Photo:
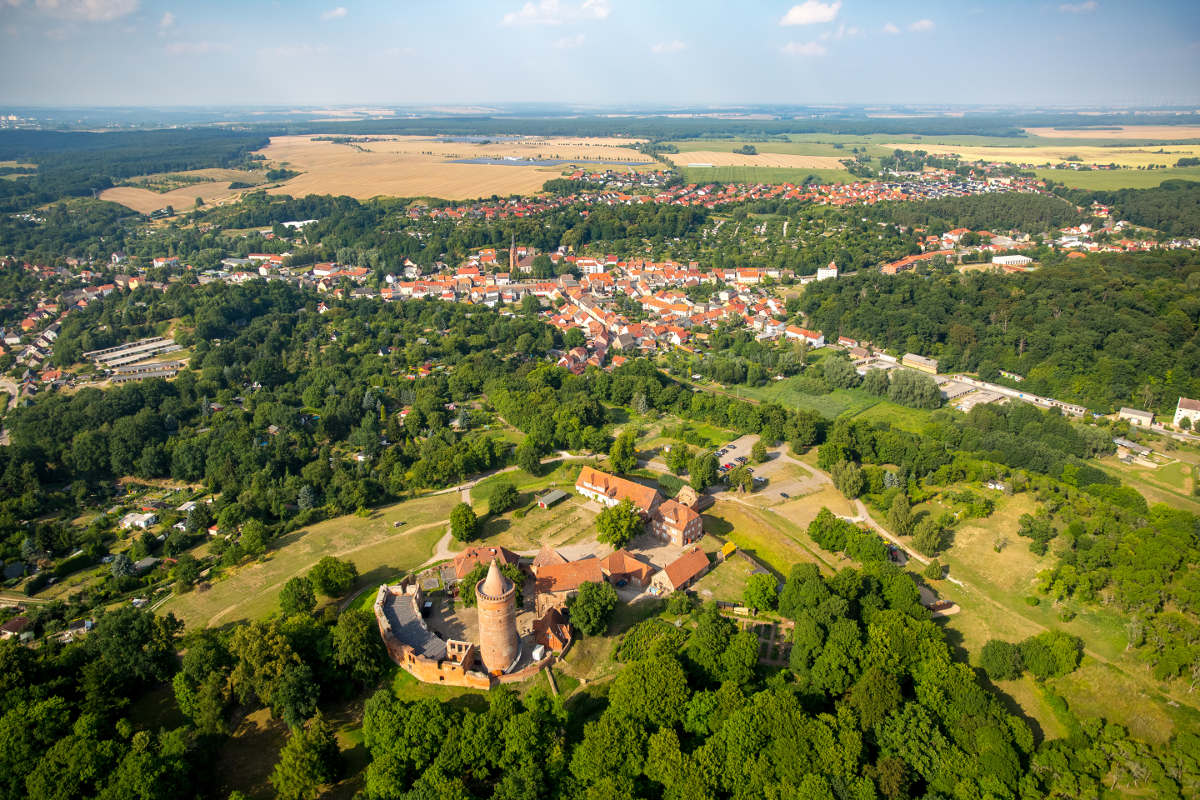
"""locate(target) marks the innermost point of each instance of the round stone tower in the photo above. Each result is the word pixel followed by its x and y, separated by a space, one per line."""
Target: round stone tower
pixel 496 600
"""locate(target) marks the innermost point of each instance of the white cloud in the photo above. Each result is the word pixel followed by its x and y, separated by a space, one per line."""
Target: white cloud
pixel 553 12
pixel 841 33
pixel 334 13
pixel 167 21
pixel 196 48
pixel 890 28
pixel 665 48
pixel 921 25
pixel 569 42
pixel 811 12
pixel 89 10
pixel 807 49
pixel 1079 8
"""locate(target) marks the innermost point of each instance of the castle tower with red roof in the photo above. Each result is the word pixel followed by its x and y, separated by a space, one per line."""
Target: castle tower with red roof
pixel 496 601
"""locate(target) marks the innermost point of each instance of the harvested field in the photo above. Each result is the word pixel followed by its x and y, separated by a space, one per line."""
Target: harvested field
pixel 1163 133
pixel 1123 156
pixel 787 160
pixel 416 166
pixel 148 193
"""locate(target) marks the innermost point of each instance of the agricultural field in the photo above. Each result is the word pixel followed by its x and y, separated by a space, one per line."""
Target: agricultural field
pixel 149 193
pixel 1160 133
pixel 415 166
pixel 1125 156
pixel 718 158
pixel 1113 179
pixel 763 175
pixel 378 550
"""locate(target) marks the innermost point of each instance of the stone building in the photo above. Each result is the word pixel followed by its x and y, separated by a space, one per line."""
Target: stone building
pixel 496 602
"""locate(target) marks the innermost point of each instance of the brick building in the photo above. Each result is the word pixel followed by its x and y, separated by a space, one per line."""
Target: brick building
pixel 496 602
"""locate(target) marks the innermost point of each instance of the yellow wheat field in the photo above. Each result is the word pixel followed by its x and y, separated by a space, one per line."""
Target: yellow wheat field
pixel 787 160
pixel 416 166
pixel 1122 156
pixel 1159 133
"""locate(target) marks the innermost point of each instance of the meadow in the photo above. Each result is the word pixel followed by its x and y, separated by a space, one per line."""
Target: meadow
pixel 180 190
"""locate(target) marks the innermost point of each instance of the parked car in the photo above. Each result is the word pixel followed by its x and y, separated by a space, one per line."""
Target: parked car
pixel 784 495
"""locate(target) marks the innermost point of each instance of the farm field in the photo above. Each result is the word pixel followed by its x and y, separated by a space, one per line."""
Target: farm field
pixel 378 550
pixel 1165 133
pixel 1127 156
pixel 764 158
pixel 763 175
pixel 1112 179
pixel 415 166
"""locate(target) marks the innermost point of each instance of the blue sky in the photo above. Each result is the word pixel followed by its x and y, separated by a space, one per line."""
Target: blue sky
pixel 603 52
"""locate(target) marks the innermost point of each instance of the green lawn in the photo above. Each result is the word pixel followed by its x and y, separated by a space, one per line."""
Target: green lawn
pixel 834 404
pixel 379 551
pixel 725 581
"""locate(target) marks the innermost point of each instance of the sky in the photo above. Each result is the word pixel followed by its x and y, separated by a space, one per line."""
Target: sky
pixel 598 52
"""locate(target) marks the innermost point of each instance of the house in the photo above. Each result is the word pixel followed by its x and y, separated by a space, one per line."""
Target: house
pixel 555 583
pixel 551 630
pixel 1135 416
pixel 550 498
pixel 681 572
pixel 1011 261
pixel 622 568
pixel 814 338
pixel 914 361
pixel 14 627
pixel 609 490
pixel 1187 409
pixel 468 559
pixel 676 523
pixel 824 273
pixel 692 499
pixel 140 521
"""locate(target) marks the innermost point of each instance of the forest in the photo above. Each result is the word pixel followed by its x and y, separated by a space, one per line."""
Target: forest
pixel 1105 331
pixel 1173 207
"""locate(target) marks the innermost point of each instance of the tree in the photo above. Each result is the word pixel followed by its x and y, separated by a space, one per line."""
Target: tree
pixel 848 478
pixel 297 596
pixel 333 577
pixel 1001 660
pixel 934 570
pixel 760 592
pixel 592 606
pixel 254 538
pixel 187 569
pixel 740 478
pixel 651 690
pixel 623 455
pixel 916 389
pixel 929 537
pixel 307 762
pixel 463 522
pixel 900 516
pixel 740 657
pixel 504 495
pixel 121 566
pixel 616 525
pixel 876 382
pixel 357 647
pixel 839 372
pixel 758 453
pixel 703 472
pixel 678 458
pixel 528 457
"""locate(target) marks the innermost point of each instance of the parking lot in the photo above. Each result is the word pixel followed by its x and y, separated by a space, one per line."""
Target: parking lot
pixel 735 453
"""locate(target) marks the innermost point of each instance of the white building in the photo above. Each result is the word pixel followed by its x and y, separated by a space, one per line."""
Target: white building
pixel 1136 416
pixel 1011 261
pixel 1190 410
pixel 827 272
pixel 140 521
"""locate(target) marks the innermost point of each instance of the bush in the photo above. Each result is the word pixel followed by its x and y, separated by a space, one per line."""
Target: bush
pixel 650 638
pixel 333 577
pixel 760 592
pixel 1001 660
pixel 463 522
pixel 503 496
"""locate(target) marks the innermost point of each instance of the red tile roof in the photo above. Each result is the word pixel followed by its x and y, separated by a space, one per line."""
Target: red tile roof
pixel 686 567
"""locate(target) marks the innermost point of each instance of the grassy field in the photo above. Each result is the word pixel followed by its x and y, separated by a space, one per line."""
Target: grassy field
pixel 1170 483
pixel 376 548
pixel 766 157
pixel 772 536
pixel 762 175
pixel 834 404
pixel 1111 179
pixel 726 581
pixel 1111 681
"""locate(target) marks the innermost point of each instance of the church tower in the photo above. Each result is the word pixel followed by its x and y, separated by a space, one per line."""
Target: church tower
pixel 496 600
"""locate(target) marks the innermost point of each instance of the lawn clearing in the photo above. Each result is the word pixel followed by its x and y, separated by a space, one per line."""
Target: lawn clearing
pixel 726 581
pixel 378 550
pixel 1168 484
pixel 555 526
pixel 768 537
pixel 834 404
